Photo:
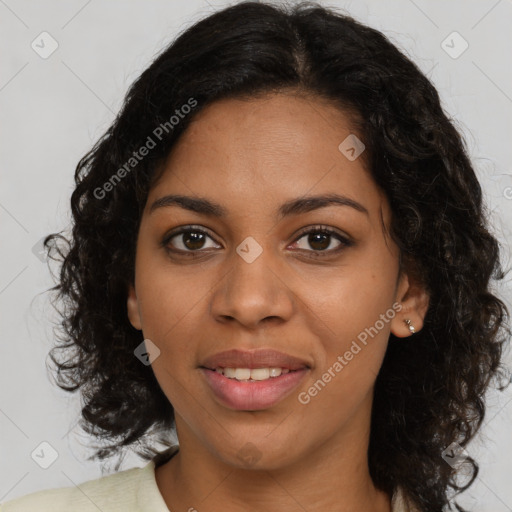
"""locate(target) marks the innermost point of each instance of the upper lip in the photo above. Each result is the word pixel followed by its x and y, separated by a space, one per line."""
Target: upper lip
pixel 261 358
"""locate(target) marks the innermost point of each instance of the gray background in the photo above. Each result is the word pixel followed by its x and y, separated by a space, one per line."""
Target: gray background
pixel 54 109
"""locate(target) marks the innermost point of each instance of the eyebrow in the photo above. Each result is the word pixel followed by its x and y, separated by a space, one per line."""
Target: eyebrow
pixel 209 208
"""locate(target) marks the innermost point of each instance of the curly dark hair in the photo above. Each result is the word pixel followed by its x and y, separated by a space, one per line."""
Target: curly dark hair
pixel 430 391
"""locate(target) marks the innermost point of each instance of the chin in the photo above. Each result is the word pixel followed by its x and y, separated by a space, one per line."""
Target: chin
pixel 263 456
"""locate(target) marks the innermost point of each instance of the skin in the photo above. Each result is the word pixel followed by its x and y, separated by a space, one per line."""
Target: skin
pixel 250 157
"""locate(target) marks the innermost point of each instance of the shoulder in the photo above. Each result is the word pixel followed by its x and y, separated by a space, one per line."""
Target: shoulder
pixel 116 492
pixel 400 502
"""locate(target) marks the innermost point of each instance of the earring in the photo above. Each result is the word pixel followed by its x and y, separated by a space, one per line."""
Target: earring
pixel 409 324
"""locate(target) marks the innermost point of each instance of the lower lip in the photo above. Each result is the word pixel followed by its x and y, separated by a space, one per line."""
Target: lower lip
pixel 255 395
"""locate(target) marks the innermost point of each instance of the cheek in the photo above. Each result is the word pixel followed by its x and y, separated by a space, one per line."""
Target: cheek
pixel 352 319
pixel 170 321
pixel 168 297
pixel 351 354
pixel 176 366
pixel 350 303
pixel 169 312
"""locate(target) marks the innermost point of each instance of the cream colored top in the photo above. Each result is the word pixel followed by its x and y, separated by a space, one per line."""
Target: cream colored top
pixel 131 490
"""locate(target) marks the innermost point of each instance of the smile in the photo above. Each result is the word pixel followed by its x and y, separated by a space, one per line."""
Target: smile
pixel 251 375
pixel 252 394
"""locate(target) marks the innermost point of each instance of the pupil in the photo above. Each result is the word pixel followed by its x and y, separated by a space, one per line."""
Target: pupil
pixel 197 240
pixel 316 238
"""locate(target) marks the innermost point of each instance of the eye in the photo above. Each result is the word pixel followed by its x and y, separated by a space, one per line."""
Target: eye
pixel 320 238
pixel 192 239
pixel 187 239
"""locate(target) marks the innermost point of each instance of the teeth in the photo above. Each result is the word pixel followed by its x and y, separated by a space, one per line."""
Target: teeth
pixel 242 374
pixel 275 372
pixel 229 372
pixel 260 373
pixel 245 374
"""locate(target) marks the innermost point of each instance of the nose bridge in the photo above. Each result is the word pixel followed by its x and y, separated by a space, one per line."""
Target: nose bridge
pixel 252 290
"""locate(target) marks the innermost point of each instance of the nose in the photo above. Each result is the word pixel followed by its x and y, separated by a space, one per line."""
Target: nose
pixel 253 293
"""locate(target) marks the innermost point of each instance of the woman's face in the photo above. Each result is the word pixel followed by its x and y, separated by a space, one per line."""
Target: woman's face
pixel 250 276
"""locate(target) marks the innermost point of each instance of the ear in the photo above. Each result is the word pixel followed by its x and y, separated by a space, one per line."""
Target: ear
pixel 413 297
pixel 132 306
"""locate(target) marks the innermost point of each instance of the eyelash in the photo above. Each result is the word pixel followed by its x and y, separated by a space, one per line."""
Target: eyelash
pixel 319 229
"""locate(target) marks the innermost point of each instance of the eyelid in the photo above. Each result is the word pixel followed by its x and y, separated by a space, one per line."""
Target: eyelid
pixel 323 228
pixel 344 240
pixel 184 229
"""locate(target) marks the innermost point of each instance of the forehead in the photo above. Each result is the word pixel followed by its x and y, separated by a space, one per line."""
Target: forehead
pixel 263 149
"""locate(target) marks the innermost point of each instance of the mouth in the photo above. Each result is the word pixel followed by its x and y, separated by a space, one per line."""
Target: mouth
pixel 252 374
pixel 253 380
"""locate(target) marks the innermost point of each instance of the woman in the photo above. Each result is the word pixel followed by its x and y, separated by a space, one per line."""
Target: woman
pixel 280 251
